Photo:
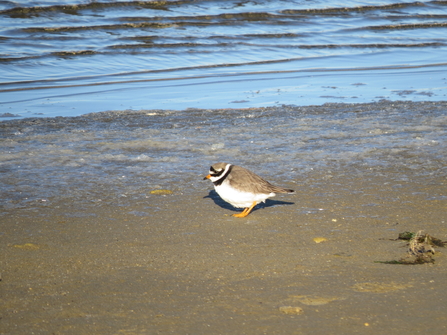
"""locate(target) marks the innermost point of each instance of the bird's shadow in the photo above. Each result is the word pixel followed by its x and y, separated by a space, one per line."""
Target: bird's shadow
pixel 221 203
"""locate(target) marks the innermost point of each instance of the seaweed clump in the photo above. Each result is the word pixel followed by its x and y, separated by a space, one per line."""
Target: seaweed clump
pixel 421 248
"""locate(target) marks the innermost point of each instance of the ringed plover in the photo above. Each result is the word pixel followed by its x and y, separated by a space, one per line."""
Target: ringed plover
pixel 241 187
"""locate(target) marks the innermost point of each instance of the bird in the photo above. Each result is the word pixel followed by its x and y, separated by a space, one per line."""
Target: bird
pixel 241 187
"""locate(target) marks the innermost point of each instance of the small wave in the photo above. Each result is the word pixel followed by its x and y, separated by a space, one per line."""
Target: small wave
pixel 336 10
pixel 72 9
pixel 408 26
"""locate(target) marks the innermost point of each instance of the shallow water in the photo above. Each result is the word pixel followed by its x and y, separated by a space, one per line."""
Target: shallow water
pixel 78 57
pixel 119 157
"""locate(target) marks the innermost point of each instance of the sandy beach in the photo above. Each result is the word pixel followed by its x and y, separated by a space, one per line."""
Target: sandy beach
pixel 320 261
pixel 191 268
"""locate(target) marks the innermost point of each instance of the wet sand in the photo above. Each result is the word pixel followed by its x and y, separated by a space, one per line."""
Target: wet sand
pixel 191 268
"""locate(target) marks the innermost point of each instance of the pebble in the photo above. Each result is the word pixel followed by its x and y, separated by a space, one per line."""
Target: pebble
pixel 291 310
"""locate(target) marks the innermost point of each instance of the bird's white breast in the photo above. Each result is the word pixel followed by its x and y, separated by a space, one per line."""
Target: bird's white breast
pixel 239 198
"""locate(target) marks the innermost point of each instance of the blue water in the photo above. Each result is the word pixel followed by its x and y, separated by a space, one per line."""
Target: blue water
pixel 72 58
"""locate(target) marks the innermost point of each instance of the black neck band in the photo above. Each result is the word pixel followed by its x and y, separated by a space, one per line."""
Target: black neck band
pixel 221 179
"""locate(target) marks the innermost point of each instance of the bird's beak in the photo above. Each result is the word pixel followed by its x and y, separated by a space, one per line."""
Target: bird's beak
pixel 207 177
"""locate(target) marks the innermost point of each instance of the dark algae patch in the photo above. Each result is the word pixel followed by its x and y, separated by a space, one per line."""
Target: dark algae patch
pixel 421 248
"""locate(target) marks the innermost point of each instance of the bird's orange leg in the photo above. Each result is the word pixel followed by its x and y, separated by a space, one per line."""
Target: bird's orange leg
pixel 241 214
pixel 246 211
